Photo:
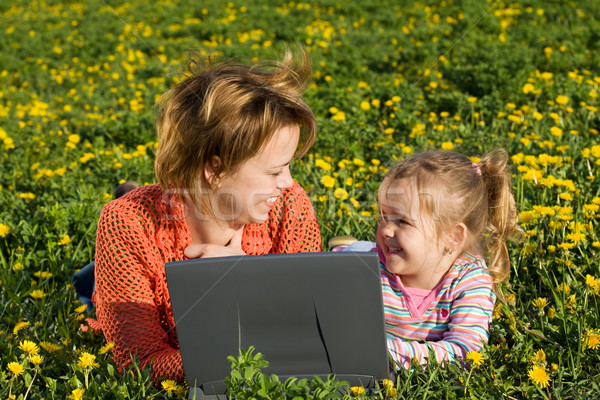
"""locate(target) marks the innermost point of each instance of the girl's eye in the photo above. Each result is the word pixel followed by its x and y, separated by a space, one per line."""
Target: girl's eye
pixel 393 221
pixel 277 173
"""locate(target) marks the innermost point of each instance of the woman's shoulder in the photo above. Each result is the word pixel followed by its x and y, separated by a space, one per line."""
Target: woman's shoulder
pixel 148 202
pixel 294 192
pixel 295 200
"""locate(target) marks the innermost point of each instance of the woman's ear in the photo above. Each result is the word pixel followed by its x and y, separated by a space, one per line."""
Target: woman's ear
pixel 458 237
pixel 211 168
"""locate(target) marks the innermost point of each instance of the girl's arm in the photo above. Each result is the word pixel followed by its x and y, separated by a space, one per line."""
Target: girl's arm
pixel 467 329
pixel 129 279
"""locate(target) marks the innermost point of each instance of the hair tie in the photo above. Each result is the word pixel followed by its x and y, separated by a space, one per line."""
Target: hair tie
pixel 477 169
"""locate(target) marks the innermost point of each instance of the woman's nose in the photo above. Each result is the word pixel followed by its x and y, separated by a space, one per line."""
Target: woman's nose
pixel 285 179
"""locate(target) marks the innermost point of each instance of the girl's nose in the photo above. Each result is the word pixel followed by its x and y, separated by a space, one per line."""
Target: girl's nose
pixel 386 229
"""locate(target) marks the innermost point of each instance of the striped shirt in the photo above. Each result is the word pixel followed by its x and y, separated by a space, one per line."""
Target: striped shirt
pixel 451 320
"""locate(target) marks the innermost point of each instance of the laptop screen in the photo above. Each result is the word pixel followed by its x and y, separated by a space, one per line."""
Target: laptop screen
pixel 310 314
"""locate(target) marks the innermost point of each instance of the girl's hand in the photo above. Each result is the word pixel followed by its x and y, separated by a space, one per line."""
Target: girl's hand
pixel 234 248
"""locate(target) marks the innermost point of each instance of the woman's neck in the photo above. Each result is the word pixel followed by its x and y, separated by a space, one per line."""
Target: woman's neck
pixel 205 230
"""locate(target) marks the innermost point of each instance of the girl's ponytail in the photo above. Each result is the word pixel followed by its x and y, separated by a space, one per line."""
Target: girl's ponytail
pixel 502 212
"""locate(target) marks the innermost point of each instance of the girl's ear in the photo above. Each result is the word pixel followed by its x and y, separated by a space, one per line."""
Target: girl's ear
pixel 210 169
pixel 458 237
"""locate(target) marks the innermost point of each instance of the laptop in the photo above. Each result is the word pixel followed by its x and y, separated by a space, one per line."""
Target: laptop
pixel 309 314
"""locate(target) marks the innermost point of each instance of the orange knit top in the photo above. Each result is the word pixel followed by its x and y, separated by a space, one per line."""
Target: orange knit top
pixel 140 232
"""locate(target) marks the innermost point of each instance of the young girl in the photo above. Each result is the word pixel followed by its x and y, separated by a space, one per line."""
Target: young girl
pixel 441 240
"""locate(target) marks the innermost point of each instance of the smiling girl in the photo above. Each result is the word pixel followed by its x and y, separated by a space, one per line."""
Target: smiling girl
pixel 441 240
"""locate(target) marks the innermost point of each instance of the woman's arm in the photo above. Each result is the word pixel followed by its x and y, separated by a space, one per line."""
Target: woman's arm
pixel 129 285
pixel 467 330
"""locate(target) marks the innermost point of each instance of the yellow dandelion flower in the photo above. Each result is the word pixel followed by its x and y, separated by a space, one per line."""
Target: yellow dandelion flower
pixel 564 288
pixel 526 217
pixel 36 359
pixel 571 302
pixel 74 138
pixel 169 385
pixel 81 308
pixel 556 131
pixel 38 294
pixel 566 196
pixel 43 274
pixel 340 193
pixel 387 383
pixel 64 241
pixel 4 230
pixel 540 302
pixel 49 347
pixel 87 360
pixel 358 162
pixel 539 376
pixel 20 325
pixel 365 105
pixel 77 394
pixel 357 391
pixel 16 368
pixel 447 145
pixel 339 116
pixel 528 88
pixel 566 246
pixel 592 340
pixel 576 237
pixel 593 283
pixel 327 181
pixel 562 100
pixel 106 348
pixel 324 165
pixel 29 347
pixel 475 357
pixel 540 356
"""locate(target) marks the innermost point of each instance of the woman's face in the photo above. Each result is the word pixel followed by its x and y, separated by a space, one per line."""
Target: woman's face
pixel 248 195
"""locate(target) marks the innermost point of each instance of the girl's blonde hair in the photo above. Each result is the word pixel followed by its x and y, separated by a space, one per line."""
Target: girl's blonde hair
pixel 453 190
pixel 231 111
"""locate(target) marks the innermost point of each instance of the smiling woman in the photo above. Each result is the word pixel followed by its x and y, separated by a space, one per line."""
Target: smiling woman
pixel 227 135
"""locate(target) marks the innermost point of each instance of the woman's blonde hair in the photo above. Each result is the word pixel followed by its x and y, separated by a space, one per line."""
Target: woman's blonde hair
pixel 231 111
pixel 453 190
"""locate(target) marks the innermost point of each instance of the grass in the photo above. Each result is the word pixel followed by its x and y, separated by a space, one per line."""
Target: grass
pixel 78 81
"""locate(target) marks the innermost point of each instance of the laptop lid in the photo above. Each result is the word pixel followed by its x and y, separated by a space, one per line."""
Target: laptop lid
pixel 310 314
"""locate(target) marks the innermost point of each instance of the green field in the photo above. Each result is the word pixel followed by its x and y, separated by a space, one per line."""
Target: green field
pixel 78 81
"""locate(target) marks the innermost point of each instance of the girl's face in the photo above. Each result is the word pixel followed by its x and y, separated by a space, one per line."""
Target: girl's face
pixel 408 239
pixel 248 195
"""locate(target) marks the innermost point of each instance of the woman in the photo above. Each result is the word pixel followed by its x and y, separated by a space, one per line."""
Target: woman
pixel 226 137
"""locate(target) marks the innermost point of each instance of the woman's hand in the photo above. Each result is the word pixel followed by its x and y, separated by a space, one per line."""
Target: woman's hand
pixel 233 248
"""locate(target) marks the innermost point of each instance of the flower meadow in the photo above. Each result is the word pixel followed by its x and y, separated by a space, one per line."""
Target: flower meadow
pixel 78 81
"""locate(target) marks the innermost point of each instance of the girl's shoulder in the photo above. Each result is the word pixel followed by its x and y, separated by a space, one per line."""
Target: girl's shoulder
pixel 469 266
